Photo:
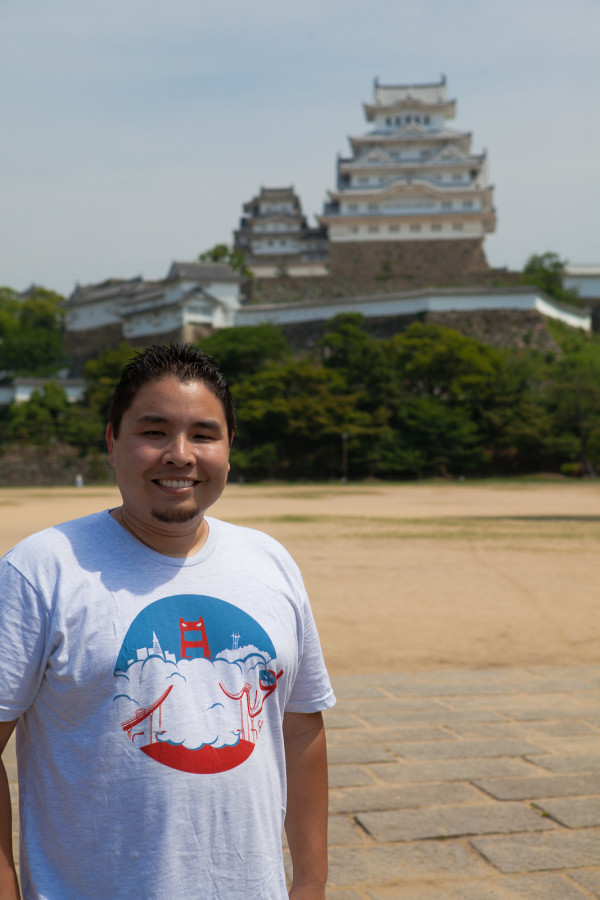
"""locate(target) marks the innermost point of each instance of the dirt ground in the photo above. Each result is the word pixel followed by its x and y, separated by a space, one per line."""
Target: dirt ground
pixel 416 576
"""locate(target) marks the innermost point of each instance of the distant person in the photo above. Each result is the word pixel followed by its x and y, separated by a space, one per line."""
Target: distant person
pixel 79 480
pixel 164 673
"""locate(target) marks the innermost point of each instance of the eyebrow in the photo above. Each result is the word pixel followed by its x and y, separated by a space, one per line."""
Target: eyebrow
pixel 150 419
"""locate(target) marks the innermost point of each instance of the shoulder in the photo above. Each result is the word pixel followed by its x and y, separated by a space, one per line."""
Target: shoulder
pixel 240 535
pixel 56 541
pixel 253 546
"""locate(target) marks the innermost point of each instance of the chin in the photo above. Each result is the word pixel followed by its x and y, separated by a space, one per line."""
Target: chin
pixel 176 516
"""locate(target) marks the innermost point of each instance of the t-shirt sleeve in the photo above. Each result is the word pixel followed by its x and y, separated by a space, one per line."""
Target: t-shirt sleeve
pixel 312 691
pixel 23 633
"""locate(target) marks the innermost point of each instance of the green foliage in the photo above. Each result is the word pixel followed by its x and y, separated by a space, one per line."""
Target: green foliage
pixel 102 375
pixel 241 351
pixel 222 253
pixel 31 332
pixel 427 402
pixel 546 271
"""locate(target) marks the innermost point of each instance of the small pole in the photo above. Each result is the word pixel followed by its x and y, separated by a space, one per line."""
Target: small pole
pixel 344 457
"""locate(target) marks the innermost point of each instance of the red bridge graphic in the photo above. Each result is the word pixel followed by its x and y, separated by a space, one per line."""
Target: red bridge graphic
pixel 146 715
pixel 202 641
pixel 249 710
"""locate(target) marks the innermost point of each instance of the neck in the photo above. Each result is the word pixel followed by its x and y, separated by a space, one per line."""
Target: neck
pixel 169 539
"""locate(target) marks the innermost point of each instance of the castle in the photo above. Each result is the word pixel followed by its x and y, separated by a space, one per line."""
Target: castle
pixel 411 205
pixel 400 235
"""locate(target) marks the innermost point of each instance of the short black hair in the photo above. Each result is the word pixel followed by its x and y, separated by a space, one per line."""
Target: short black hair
pixel 182 361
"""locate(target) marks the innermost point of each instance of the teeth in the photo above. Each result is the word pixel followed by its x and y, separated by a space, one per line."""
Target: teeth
pixel 172 483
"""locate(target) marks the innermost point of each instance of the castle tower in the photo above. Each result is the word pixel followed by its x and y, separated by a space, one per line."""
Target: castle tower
pixel 276 239
pixel 412 198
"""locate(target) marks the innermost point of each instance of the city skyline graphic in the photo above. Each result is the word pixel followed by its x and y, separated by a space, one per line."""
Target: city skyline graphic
pixel 193 675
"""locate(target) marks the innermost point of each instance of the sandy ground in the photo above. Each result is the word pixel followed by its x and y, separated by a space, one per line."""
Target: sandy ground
pixel 415 576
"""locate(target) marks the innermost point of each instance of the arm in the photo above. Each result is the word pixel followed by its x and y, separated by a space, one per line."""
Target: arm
pixel 306 818
pixel 9 885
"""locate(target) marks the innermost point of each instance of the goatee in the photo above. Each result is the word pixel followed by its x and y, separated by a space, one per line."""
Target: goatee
pixel 176 516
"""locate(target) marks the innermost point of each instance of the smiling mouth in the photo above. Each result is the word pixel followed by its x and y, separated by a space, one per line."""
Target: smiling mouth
pixel 175 483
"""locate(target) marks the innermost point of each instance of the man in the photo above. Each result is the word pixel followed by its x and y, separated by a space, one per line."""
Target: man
pixel 165 673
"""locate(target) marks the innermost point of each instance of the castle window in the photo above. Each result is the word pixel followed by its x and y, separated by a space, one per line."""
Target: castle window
pixel 388 120
pixel 467 204
pixel 426 120
pixel 373 229
pixel 415 227
pixel 436 227
pixel 354 229
pixel 457 226
pixel 457 177
pixel 394 228
pixel 373 207
pixel 446 204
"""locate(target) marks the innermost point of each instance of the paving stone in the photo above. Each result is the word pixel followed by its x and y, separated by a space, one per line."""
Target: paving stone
pixel 492 731
pixel 359 753
pixel 589 880
pixel 587 763
pixel 537 852
pixel 524 887
pixel 366 734
pixel 365 799
pixel 575 746
pixel 566 728
pixel 541 786
pixel 393 707
pixel 349 776
pixel 343 831
pixel 349 690
pixel 452 821
pixel 541 706
pixel 453 769
pixel 335 718
pixel 378 865
pixel 551 712
pixel 560 685
pixel 453 689
pixel 442 717
pixel 466 749
pixel 344 894
pixel 574 812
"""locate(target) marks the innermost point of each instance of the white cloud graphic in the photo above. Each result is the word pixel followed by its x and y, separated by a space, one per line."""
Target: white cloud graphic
pixel 210 702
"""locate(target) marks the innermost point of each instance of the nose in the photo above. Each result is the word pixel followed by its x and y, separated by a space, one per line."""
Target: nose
pixel 178 451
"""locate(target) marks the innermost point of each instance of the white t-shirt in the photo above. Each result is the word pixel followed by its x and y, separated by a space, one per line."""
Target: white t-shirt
pixel 151 692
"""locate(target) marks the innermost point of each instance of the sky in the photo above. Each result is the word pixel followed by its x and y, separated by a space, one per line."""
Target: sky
pixel 133 131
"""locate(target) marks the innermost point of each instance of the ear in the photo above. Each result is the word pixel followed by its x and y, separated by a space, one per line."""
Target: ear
pixel 110 441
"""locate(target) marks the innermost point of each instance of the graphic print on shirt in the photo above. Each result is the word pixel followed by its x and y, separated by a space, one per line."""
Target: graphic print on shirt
pixel 193 675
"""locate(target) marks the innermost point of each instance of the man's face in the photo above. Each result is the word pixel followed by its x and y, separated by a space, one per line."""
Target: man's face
pixel 171 458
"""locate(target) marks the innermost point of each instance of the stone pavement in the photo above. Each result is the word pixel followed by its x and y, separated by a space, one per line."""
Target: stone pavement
pixel 464 785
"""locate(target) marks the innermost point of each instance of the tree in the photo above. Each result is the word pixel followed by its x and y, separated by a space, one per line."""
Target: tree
pixel 243 351
pixel 546 271
pixel 234 258
pixel 102 375
pixel 31 332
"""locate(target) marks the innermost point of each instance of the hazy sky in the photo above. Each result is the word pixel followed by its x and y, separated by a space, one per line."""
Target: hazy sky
pixel 133 131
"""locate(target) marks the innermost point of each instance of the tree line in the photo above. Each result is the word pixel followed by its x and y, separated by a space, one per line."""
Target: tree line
pixel 426 402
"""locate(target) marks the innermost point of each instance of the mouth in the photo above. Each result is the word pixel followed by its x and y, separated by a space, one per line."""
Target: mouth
pixel 175 482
